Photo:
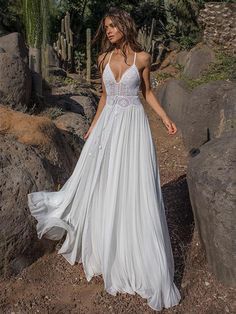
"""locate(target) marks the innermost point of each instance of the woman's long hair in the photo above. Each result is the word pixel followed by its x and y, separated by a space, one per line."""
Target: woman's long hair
pixel 126 25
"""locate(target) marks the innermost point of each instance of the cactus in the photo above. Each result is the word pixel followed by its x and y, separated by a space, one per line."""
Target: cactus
pixel 33 26
pixel 88 53
pixel 36 20
pixel 64 44
pixel 45 13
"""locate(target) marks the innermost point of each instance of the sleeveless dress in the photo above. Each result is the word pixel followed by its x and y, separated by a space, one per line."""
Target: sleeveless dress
pixel 111 208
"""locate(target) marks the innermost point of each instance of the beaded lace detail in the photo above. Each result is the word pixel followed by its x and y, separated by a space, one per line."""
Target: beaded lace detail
pixel 128 85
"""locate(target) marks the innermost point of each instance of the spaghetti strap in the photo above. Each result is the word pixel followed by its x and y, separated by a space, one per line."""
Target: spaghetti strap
pixel 134 58
pixel 110 57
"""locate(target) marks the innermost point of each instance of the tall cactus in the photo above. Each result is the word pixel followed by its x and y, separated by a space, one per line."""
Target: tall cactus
pixel 45 17
pixel 88 53
pixel 32 19
pixel 33 28
pixel 36 19
pixel 64 46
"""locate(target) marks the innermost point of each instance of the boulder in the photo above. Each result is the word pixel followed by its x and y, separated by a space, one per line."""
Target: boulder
pixel 84 105
pixel 21 171
pixel 73 123
pixel 34 155
pixel 87 103
pixel 211 180
pixel 182 57
pixel 170 59
pixel 210 112
pixel 40 132
pixel 198 60
pixel 15 80
pixel 173 96
pixel 14 44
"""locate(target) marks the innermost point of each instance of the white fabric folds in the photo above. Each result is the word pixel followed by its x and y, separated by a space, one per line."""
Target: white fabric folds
pixel 111 208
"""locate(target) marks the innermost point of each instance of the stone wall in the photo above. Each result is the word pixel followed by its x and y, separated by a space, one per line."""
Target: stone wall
pixel 219 23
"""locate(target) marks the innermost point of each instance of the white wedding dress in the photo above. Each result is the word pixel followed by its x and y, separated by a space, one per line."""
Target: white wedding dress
pixel 111 208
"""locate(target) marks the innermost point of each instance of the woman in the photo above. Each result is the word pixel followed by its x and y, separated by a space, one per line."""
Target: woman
pixel 111 208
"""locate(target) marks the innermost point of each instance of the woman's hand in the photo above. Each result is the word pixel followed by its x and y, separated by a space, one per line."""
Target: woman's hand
pixel 86 135
pixel 169 124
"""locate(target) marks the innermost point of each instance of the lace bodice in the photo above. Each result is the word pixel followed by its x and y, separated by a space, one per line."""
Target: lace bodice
pixel 128 84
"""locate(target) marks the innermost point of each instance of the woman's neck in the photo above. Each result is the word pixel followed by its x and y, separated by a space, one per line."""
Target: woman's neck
pixel 118 49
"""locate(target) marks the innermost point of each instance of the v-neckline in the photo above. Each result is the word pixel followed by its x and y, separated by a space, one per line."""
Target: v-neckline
pixel 118 82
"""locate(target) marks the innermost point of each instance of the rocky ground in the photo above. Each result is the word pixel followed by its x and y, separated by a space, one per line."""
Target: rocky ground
pixel 52 285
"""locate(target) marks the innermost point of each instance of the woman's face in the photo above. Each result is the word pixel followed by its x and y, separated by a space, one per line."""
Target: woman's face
pixel 113 33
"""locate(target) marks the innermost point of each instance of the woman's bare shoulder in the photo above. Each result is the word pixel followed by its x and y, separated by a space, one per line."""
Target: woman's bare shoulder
pixel 102 56
pixel 102 59
pixel 143 58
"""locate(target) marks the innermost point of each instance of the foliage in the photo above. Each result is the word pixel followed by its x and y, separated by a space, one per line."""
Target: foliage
pixel 10 16
pixel 162 76
pixel 202 2
pixel 187 42
pixel 176 19
pixel 182 20
pixel 80 59
pixel 155 9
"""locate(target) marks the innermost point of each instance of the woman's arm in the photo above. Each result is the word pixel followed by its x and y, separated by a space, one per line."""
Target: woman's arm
pixel 150 97
pixel 101 102
pixel 101 105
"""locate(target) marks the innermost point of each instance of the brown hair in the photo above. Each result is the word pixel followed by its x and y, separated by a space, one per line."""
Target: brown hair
pixel 126 25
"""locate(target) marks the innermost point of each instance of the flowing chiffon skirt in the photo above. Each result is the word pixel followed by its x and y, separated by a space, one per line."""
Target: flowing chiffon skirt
pixel 112 212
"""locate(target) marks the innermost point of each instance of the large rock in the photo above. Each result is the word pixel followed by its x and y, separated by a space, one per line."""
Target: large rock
pixel 15 80
pixel 182 58
pixel 41 133
pixel 84 105
pixel 210 113
pixel 198 60
pixel 173 96
pixel 73 126
pixel 87 103
pixel 211 178
pixel 34 155
pixel 72 122
pixel 21 171
pixel 14 44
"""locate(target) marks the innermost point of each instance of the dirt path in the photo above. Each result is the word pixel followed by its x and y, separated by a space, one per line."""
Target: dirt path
pixel 52 285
